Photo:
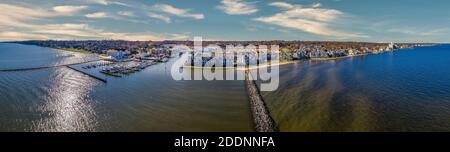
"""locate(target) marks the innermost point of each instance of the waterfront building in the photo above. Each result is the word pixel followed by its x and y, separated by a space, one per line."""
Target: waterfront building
pixel 118 55
pixel 350 52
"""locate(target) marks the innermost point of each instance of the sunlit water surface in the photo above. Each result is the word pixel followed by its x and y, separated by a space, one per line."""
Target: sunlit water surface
pixel 408 90
pixel 61 99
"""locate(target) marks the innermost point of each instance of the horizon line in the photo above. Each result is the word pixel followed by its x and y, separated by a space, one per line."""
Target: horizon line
pixel 12 41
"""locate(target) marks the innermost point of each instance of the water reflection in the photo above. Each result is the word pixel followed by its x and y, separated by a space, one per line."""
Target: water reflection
pixel 60 99
pixel 385 92
pixel 67 106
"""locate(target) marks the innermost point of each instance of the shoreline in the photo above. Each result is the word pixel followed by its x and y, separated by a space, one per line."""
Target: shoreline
pixel 72 50
pixel 241 68
pixel 253 67
pixel 100 56
pixel 292 61
pixel 336 58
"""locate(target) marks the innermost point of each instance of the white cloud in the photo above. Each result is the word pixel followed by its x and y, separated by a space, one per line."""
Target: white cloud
pixel 434 32
pixel 403 31
pixel 142 36
pixel 119 16
pixel 84 31
pixel 14 17
pixel 237 7
pixel 102 2
pixel 283 5
pixel 311 20
pixel 23 13
pixel 107 2
pixel 17 18
pixel 9 35
pixel 74 30
pixel 97 15
pixel 25 23
pixel 69 10
pixel 316 5
pixel 160 17
pixel 126 13
pixel 419 31
pixel 178 11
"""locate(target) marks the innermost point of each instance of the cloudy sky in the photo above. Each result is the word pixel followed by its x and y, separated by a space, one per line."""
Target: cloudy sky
pixel 339 20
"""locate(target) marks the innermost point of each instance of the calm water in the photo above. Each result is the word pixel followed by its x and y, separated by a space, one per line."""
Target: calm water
pixel 407 90
pixel 61 99
pixel 14 56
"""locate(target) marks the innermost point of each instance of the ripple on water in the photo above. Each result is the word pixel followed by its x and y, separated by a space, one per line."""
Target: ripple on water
pixel 401 91
pixel 67 106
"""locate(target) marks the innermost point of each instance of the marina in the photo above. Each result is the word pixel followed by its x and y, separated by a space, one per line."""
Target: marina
pixel 119 69
pixel 86 73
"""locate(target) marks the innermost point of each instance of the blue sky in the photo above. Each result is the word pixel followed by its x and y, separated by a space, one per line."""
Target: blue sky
pixel 337 20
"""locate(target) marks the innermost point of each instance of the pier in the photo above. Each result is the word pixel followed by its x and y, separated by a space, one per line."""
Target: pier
pixel 261 114
pixel 88 74
pixel 54 66
pixel 46 67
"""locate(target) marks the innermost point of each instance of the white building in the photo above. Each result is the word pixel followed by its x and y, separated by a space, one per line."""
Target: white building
pixel 118 55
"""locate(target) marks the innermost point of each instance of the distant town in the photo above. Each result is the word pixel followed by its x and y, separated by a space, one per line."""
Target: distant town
pixel 157 50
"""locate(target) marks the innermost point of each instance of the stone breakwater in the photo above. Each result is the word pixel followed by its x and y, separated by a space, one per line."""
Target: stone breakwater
pixel 261 114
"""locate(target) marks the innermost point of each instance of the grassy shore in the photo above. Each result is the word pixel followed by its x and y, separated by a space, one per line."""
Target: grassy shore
pixel 75 50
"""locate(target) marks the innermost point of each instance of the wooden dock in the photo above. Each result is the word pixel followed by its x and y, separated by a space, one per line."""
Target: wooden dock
pixel 88 74
pixel 261 114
